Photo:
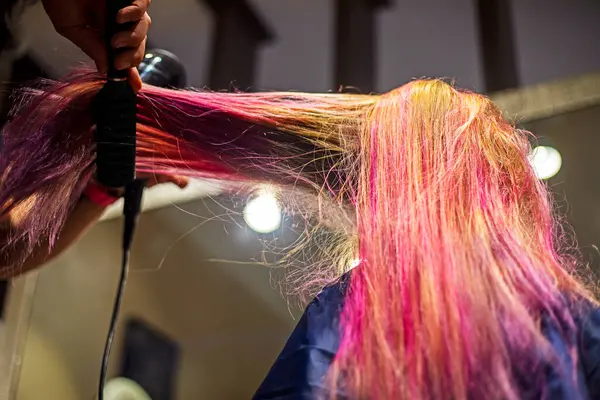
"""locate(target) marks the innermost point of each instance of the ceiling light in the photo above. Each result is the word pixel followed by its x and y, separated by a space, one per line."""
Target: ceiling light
pixel 546 161
pixel 124 389
pixel 263 213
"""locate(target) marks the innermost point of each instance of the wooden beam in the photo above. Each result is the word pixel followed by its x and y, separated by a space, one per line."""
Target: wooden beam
pixel 381 3
pixel 355 44
pixel 497 45
pixel 238 34
pixel 548 99
pixel 255 23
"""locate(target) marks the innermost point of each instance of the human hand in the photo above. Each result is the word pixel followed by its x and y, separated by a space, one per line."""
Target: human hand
pixel 154 180
pixel 104 197
pixel 82 22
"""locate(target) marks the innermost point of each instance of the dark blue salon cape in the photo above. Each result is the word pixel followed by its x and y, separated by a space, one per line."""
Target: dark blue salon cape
pixel 299 370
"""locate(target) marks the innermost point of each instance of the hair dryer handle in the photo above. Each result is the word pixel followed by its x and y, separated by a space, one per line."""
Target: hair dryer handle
pixel 112 28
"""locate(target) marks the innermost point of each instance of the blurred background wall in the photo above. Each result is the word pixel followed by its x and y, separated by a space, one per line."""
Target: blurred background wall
pixel 551 39
pixel 228 321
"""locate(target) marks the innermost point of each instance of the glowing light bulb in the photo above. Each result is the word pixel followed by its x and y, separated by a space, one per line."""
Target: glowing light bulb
pixel 124 389
pixel 149 55
pixel 546 161
pixel 263 213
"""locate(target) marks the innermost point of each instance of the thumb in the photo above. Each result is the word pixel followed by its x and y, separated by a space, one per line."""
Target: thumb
pixel 91 43
pixel 134 79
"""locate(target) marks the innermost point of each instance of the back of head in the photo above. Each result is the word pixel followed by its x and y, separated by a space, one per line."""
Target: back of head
pixel 458 254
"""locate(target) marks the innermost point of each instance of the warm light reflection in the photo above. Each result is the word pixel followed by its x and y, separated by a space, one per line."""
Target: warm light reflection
pixel 263 213
pixel 546 161
pixel 124 389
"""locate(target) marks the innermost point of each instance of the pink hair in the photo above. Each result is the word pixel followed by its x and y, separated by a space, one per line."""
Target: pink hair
pixel 460 262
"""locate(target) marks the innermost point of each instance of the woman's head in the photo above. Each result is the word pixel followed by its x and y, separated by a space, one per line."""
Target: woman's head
pixel 453 164
pixel 455 234
pixel 457 243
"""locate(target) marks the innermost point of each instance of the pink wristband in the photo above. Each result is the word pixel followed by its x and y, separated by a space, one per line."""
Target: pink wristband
pixel 98 195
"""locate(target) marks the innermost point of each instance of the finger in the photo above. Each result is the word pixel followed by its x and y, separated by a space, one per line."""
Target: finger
pixel 145 175
pixel 132 37
pixel 151 183
pixel 90 42
pixel 130 58
pixel 134 12
pixel 134 79
pixel 180 181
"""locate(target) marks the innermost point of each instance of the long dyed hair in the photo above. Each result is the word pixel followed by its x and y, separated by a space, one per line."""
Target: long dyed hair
pixel 460 257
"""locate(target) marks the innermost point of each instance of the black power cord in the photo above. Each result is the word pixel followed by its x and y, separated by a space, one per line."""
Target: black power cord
pixel 116 165
pixel 131 212
pixel 115 135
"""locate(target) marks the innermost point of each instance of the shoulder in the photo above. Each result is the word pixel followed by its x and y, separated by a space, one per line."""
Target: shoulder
pixel 589 348
pixel 305 359
pixel 589 325
pixel 330 300
pixel 319 325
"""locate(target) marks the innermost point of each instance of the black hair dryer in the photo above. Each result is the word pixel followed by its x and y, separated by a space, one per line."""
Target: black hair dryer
pixel 163 69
